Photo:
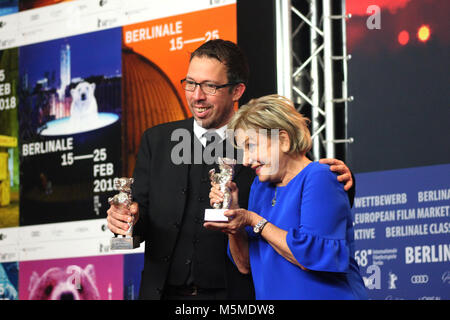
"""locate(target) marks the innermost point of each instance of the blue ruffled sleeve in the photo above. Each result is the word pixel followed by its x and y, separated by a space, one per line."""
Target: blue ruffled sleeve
pixel 320 243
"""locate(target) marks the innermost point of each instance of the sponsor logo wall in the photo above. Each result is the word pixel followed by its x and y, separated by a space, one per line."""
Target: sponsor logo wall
pixel 402 232
pixel 71 78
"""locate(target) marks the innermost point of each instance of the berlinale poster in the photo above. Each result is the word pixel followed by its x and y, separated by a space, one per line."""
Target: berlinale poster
pixel 69 118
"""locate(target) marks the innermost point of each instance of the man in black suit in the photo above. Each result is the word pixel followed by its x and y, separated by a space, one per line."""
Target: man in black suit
pixel 184 260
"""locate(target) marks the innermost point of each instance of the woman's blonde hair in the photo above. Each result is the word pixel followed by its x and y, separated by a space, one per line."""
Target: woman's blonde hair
pixel 274 112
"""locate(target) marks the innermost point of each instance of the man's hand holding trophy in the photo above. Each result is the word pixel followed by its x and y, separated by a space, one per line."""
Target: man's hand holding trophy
pixel 120 203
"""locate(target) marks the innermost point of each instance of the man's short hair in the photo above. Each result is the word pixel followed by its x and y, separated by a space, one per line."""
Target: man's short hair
pixel 230 55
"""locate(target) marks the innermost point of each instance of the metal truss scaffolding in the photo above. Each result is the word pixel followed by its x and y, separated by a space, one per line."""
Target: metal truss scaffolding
pixel 312 68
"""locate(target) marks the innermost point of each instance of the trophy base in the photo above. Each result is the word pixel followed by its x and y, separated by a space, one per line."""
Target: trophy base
pixel 125 243
pixel 215 215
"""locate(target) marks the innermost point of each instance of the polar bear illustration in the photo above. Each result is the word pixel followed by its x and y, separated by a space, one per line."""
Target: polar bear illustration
pixel 73 283
pixel 83 109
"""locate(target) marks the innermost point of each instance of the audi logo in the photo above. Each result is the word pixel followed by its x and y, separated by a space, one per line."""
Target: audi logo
pixel 419 279
pixel 446 277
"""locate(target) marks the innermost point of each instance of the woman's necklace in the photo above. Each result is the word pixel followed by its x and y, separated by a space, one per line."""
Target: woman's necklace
pixel 274 200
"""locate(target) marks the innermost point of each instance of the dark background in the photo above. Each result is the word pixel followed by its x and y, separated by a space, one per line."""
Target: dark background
pixel 400 117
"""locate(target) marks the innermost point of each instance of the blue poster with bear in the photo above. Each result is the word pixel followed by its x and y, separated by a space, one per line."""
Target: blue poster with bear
pixel 70 128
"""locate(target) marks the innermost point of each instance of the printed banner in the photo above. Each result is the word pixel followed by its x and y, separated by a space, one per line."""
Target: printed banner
pixel 9 278
pixel 9 133
pixel 156 55
pixel 402 228
pixel 69 116
pixel 132 270
pixel 91 278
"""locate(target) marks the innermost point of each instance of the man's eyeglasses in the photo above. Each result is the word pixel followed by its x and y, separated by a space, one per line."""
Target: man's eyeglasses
pixel 207 88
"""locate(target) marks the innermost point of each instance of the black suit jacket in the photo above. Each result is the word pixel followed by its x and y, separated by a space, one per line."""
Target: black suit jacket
pixel 160 188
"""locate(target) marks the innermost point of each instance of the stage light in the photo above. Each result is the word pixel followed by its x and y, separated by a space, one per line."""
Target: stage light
pixel 403 37
pixel 424 33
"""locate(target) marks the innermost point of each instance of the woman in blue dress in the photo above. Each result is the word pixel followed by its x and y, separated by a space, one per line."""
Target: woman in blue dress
pixel 296 238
